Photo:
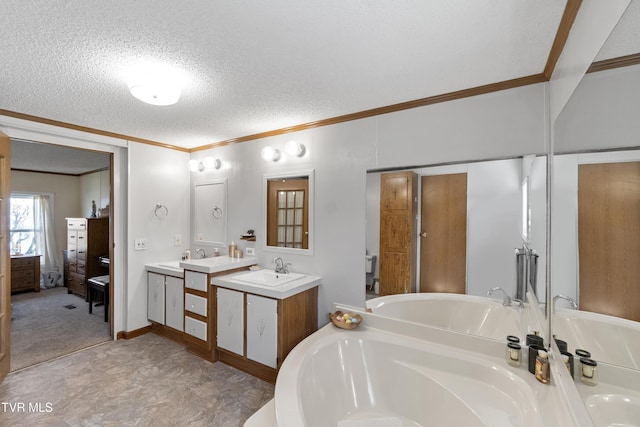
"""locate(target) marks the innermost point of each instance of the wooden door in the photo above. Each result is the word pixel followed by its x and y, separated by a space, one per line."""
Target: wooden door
pixel 443 242
pixel 398 202
pixel 5 262
pixel 609 238
pixel 288 213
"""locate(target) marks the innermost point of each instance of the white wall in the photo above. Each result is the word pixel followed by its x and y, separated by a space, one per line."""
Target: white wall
pixel 509 123
pixel 156 175
pixel 94 186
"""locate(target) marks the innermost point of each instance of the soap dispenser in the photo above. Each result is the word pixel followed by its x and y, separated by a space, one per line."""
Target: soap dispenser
pixel 232 249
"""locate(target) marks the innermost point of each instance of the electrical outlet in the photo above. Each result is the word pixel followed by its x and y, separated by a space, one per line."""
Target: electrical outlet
pixel 177 240
pixel 140 244
pixel 250 251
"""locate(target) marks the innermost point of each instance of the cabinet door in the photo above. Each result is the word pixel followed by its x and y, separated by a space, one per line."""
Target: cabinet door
pixel 230 320
pixel 155 297
pixel 262 330
pixel 174 304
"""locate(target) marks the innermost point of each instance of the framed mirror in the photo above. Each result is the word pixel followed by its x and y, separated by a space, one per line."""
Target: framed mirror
pixel 209 213
pixel 288 212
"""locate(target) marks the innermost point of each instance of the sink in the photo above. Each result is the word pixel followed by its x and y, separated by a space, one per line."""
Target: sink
pixel 267 277
pixel 171 264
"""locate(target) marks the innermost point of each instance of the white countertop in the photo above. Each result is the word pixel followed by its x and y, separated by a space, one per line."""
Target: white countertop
pixel 204 265
pixel 279 292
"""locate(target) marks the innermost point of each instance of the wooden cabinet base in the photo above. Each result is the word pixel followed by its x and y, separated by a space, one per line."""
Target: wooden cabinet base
pixel 256 369
pixel 168 332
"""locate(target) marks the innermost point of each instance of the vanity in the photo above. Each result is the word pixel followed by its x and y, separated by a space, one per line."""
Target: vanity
pixel 230 313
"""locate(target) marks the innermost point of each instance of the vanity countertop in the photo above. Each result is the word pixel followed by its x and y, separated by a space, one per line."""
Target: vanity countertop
pixel 204 265
pixel 168 268
pixel 283 291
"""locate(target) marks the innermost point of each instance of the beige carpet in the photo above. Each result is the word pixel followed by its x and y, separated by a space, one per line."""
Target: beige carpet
pixel 44 326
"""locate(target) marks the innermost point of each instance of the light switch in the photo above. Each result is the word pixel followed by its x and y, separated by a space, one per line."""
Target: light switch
pixel 177 240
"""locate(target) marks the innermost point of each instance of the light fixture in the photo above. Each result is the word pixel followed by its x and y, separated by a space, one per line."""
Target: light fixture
pixel 208 163
pixel 270 154
pixel 155 87
pixel 294 149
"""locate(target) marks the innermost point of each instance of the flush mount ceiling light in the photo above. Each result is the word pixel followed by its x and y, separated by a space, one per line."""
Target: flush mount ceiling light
pixel 294 149
pixel 270 154
pixel 155 88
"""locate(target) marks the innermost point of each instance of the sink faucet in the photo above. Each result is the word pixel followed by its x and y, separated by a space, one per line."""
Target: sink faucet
pixel 281 267
pixel 202 253
pixel 573 303
pixel 506 299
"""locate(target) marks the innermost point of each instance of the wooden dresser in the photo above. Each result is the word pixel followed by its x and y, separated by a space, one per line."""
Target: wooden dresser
pixel 87 240
pixel 25 273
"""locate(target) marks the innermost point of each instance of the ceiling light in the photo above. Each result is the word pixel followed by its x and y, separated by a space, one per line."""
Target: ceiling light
pixel 294 149
pixel 155 89
pixel 270 154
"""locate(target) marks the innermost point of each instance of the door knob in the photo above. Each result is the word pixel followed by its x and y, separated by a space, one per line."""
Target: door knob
pixel 423 234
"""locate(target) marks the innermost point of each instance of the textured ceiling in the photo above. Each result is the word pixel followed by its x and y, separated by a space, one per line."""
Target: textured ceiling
pixel 256 66
pixel 30 156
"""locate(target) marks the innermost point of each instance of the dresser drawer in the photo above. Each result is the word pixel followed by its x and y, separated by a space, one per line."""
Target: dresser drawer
pixel 195 328
pixel 196 304
pixel 23 262
pixel 194 280
pixel 22 274
pixel 76 224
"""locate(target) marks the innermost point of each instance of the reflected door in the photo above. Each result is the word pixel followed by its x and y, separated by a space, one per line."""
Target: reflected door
pixel 5 271
pixel 443 239
pixel 609 238
pixel 288 213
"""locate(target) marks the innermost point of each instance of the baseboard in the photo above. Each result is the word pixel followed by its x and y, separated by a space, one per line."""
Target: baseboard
pixel 132 334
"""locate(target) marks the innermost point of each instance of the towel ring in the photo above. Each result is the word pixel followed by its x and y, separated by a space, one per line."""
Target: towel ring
pixel 216 213
pixel 161 211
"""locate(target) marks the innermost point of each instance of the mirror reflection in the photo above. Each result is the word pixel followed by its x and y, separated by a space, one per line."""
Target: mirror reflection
pixel 210 213
pixel 596 218
pixel 288 204
pixel 453 229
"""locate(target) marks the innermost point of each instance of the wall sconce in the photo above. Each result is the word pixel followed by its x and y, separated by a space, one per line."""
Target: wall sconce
pixel 208 163
pixel 270 154
pixel 294 149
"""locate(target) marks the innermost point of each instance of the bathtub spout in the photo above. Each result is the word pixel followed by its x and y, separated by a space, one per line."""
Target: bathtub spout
pixel 506 299
pixel 573 303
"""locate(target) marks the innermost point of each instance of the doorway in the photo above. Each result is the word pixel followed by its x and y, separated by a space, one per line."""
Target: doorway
pixel 609 238
pixel 443 235
pixel 80 183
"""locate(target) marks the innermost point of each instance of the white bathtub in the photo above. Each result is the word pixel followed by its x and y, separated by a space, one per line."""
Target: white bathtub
pixel 372 378
pixel 462 313
pixel 609 339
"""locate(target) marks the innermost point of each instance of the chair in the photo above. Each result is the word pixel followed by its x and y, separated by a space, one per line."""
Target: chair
pixel 99 284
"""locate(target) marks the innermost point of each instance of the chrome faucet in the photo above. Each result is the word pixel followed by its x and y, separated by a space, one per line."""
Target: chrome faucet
pixel 202 253
pixel 573 302
pixel 506 299
pixel 281 267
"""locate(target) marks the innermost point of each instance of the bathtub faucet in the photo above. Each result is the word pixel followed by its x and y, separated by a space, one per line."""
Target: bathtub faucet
pixel 506 299
pixel 573 303
pixel 281 267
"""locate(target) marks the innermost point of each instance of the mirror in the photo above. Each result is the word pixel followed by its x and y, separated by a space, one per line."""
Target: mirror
pixel 499 211
pixel 288 212
pixel 210 213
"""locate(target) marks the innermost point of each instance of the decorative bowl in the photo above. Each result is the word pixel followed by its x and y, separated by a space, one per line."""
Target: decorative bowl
pixel 339 320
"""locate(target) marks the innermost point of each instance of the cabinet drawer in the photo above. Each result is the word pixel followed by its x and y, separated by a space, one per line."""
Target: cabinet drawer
pixel 80 267
pixel 195 328
pixel 76 224
pixel 22 262
pixel 197 281
pixel 196 304
pixel 22 274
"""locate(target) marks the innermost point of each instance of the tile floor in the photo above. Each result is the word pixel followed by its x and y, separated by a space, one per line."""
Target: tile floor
pixel 145 381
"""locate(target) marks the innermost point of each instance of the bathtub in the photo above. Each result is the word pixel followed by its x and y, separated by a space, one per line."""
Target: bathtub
pixel 457 312
pixel 375 378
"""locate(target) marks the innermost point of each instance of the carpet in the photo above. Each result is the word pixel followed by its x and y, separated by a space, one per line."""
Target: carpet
pixel 52 323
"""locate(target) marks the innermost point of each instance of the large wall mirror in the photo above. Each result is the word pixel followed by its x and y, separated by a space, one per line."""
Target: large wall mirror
pixel 210 213
pixel 498 202
pixel 596 210
pixel 288 212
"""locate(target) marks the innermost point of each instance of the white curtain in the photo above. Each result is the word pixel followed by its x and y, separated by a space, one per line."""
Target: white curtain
pixel 45 239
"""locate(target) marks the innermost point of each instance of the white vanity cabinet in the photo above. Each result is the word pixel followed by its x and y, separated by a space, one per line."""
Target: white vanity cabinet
pixel 165 300
pixel 230 320
pixel 155 297
pixel 262 330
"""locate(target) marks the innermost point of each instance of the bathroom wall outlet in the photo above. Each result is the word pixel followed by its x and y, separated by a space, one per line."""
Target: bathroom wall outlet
pixel 177 240
pixel 140 244
pixel 250 251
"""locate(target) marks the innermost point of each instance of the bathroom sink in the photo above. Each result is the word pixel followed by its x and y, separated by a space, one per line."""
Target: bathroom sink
pixel 267 277
pixel 171 264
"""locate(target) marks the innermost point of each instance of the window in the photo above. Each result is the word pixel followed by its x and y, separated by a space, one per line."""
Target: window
pixel 22 225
